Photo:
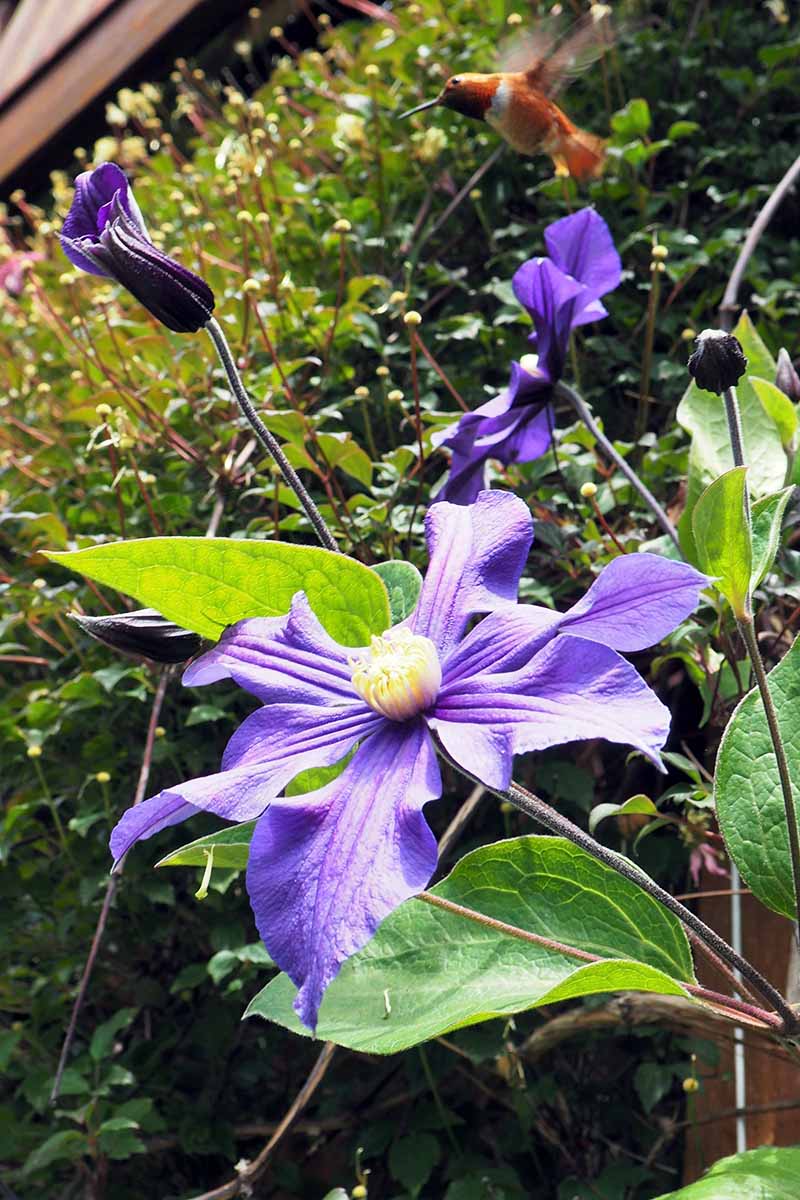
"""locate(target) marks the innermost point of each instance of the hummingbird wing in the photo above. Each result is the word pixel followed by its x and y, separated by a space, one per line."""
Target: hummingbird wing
pixel 551 57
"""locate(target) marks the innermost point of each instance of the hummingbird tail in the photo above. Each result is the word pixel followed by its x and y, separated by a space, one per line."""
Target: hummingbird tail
pixel 582 154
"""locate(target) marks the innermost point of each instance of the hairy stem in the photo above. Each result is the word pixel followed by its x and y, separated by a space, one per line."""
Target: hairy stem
pixel 268 440
pixel 584 412
pixel 729 306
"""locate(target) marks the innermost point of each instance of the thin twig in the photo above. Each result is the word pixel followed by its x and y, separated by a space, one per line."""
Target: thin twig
pixel 584 412
pixel 729 305
pixel 242 1184
pixel 111 887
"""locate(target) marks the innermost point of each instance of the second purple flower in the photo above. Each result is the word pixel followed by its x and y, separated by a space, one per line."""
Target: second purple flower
pixel 560 292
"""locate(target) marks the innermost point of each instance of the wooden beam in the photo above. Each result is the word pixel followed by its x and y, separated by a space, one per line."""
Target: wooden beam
pixel 85 70
pixel 37 31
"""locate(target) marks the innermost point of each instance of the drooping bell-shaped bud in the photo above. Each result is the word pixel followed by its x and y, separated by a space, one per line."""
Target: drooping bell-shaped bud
pixel 718 362
pixel 143 632
pixel 786 378
pixel 104 233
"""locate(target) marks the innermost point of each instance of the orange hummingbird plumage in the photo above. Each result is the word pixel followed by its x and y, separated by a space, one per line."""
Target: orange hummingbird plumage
pixel 518 101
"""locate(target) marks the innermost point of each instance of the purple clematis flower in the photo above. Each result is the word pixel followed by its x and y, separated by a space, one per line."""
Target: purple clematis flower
pixel 104 233
pixel 560 292
pixel 325 868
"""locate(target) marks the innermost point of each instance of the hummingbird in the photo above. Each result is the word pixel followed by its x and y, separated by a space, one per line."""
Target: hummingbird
pixel 518 100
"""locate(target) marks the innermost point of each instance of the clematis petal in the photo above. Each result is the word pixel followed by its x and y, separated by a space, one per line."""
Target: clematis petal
pixel 573 689
pixel 95 192
pixel 552 298
pixel 174 295
pixel 635 601
pixel 271 747
pixel 581 244
pixel 279 659
pixel 518 435
pixel 503 641
pixel 326 868
pixel 476 558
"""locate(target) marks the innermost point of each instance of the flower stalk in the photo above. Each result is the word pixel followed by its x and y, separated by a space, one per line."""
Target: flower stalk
pixel 583 411
pixel 267 439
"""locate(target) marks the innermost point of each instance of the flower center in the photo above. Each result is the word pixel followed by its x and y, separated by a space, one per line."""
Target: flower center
pixel 399 676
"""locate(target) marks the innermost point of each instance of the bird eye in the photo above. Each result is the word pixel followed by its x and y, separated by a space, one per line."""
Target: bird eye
pixel 455 81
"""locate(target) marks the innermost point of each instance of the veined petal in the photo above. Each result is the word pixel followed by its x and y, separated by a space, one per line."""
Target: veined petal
pixel 476 556
pixel 552 298
pixel 95 193
pixel 581 244
pixel 572 690
pixel 519 435
pixel 635 601
pixel 326 868
pixel 271 747
pixel 502 642
pixel 148 818
pixel 279 659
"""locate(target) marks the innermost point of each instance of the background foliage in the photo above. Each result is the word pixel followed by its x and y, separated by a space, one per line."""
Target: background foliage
pixel 113 427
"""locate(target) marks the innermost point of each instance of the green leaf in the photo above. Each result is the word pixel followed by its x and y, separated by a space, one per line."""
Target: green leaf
pixel 341 451
pixel 767 521
pixel 682 129
pixel 635 804
pixel 427 971
pixel 722 538
pixel 69 1143
pixel 702 414
pixel 747 791
pixel 231 847
pixel 205 584
pixel 767 1174
pixel 412 1159
pixel 632 121
pixel 402 581
pixel 778 406
pixel 103 1037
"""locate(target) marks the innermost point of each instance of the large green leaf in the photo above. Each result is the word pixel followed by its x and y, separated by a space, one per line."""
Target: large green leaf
pixel 702 414
pixel 722 537
pixel 770 1173
pixel 767 522
pixel 427 971
pixel 747 787
pixel 205 584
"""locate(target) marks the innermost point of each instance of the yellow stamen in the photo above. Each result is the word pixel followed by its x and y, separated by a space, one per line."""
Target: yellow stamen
pixel 399 676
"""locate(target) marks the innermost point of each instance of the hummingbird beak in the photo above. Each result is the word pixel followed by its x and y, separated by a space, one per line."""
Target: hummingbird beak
pixel 420 108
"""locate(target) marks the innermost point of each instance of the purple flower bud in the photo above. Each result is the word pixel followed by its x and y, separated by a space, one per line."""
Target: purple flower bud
pixel 718 362
pixel 143 632
pixel 104 233
pixel 786 378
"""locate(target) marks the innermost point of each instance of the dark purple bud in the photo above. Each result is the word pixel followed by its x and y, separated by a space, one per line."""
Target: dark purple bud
pixel 104 233
pixel 718 363
pixel 786 378
pixel 143 632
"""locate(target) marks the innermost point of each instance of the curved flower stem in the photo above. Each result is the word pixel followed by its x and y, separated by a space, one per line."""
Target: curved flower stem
pixel 536 939
pixel 746 626
pixel 584 412
pixel 729 305
pixel 267 439
pixel 535 808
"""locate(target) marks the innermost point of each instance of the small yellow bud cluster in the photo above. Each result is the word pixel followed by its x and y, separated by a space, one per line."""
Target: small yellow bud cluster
pixel 342 226
pixel 588 490
pixel 34 751
pixel 413 318
pixel 372 71
pixel 362 392
pixel 103 777
pixel 381 372
pixel 395 395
